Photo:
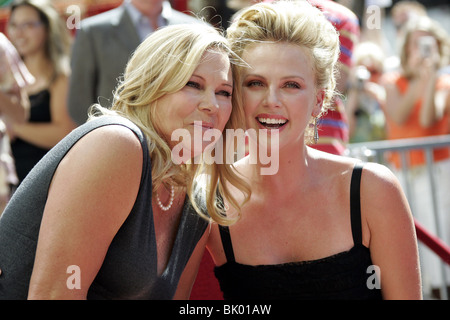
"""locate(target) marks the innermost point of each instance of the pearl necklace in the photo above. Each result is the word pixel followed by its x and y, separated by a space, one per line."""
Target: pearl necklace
pixel 172 196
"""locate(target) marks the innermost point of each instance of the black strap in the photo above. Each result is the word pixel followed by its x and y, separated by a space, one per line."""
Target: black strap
pixel 355 203
pixel 226 243
pixel 355 215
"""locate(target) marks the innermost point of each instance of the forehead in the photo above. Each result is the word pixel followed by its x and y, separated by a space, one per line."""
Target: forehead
pixel 214 61
pixel 278 57
pixel 24 11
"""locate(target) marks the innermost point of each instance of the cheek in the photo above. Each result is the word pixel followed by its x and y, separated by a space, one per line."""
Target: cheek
pixel 224 115
pixel 165 121
pixel 249 102
pixel 38 39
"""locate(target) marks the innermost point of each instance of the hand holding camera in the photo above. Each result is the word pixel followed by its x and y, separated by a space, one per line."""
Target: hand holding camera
pixel 429 51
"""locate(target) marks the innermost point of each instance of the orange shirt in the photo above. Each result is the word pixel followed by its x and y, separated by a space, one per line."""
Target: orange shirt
pixel 412 128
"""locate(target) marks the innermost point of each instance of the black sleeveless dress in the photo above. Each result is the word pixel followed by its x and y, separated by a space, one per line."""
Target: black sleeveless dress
pixel 344 276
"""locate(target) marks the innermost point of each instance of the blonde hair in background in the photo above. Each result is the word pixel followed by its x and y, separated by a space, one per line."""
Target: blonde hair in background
pixel 369 51
pixel 58 42
pixel 162 65
pixel 293 22
pixel 426 24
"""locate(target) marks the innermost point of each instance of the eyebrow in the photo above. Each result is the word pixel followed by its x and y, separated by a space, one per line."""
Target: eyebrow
pixel 283 78
pixel 228 83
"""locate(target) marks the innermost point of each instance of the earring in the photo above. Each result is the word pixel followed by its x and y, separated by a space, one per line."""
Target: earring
pixel 316 132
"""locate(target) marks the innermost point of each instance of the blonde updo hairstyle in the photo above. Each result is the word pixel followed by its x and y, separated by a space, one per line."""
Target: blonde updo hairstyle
pixel 293 22
pixel 161 65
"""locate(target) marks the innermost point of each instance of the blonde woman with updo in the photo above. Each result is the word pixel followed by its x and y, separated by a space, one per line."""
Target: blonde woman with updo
pixel 107 213
pixel 322 226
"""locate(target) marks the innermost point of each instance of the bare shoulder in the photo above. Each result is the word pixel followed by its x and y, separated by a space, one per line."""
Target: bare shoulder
pixel 101 170
pixel 379 179
pixel 383 201
pixel 381 192
pixel 114 136
pixel 388 227
pixel 115 146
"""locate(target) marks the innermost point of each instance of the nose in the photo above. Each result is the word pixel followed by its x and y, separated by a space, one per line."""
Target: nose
pixel 209 103
pixel 272 98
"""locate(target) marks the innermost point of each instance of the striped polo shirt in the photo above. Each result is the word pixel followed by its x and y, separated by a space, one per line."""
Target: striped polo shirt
pixel 333 126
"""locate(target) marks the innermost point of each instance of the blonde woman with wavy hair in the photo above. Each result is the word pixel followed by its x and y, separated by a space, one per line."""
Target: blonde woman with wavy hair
pixel 107 214
pixel 137 98
pixel 323 226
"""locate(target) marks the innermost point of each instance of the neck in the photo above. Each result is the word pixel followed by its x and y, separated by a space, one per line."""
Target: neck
pixel 291 168
pixel 38 64
pixel 152 12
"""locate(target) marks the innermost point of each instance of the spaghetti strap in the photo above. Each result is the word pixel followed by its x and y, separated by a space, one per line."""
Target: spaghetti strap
pixel 355 203
pixel 226 243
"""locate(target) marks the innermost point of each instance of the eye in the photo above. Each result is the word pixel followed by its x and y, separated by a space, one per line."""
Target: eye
pixel 193 84
pixel 292 85
pixel 225 93
pixel 254 83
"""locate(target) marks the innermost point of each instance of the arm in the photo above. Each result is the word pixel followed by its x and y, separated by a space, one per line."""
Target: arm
pixel 393 243
pixel 399 106
pixel 431 110
pixel 428 112
pixel 14 105
pixel 91 195
pixel 47 135
pixel 190 271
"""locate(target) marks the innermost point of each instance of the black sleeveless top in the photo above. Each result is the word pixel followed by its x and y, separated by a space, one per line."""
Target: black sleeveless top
pixel 345 275
pixel 129 269
pixel 26 154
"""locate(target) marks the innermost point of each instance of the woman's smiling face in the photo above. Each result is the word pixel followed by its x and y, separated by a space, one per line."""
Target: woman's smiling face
pixel 204 103
pixel 279 90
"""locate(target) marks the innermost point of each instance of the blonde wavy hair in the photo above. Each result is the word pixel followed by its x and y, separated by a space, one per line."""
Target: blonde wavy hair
pixel 293 22
pixel 162 65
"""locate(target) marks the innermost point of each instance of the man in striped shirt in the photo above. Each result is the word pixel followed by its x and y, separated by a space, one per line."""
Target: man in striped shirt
pixel 333 126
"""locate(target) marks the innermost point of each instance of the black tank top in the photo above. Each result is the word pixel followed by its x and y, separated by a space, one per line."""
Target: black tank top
pixel 27 154
pixel 345 275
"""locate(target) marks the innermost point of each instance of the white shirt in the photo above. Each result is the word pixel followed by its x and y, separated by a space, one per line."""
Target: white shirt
pixel 142 23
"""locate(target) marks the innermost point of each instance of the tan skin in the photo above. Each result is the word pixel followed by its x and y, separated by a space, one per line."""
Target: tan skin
pixel 302 212
pixel 110 191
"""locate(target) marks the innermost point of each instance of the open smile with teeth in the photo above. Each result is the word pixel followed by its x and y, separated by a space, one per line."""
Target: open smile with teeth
pixel 272 123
